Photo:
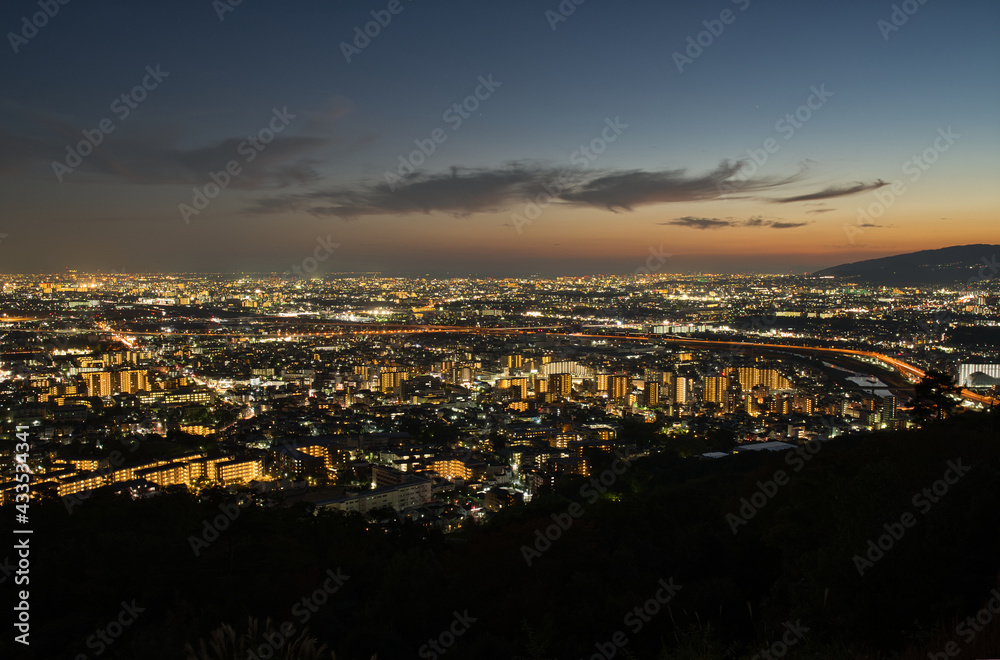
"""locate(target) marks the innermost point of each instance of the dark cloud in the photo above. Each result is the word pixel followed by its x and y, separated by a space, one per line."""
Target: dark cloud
pixel 700 223
pixel 151 155
pixel 834 191
pixel 145 154
pixel 626 190
pixel 458 192
pixel 716 223
pixel 820 211
pixel 279 164
pixel 462 191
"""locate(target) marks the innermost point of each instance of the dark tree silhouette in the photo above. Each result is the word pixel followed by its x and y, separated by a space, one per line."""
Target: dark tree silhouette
pixel 932 398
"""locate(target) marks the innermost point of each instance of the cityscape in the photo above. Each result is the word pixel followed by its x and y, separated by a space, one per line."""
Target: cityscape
pixel 559 330
pixel 442 403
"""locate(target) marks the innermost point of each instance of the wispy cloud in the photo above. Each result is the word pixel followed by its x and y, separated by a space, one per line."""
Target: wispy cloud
pixel 717 223
pixel 833 191
pixel 626 190
pixel 700 223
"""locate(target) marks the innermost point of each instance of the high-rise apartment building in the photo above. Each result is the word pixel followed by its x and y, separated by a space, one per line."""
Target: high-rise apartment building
pixel 715 389
pixel 561 384
pixel 619 388
pixel 98 383
pixel 651 394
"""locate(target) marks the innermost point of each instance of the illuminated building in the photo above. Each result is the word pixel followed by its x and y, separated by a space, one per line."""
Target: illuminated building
pixel 501 498
pixel 80 484
pixel 166 475
pixel 681 389
pixel 520 387
pixel 453 468
pixel 463 374
pixel 751 377
pixel 804 403
pixel 561 384
pixel 651 394
pixel 245 470
pixel 512 361
pixel 562 440
pixel 888 412
pixel 178 395
pixel 197 429
pixel 414 492
pixel 391 381
pixel 130 381
pixel 113 359
pixel 715 389
pixel 567 367
pixel 619 388
pixel 98 383
pixel 978 375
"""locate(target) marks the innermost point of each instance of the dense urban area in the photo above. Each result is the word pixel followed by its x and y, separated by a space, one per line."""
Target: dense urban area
pixel 280 466
pixel 445 400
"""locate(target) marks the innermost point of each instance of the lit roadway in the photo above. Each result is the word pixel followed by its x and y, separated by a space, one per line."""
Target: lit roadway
pixel 356 329
pixel 904 368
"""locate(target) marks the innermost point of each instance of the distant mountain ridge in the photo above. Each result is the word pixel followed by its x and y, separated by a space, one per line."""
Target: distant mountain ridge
pixel 959 263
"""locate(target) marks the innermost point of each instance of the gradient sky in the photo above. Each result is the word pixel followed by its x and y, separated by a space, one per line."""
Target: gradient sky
pixel 677 180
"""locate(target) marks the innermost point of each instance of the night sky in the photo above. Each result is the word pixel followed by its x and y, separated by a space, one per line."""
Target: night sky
pixel 632 139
